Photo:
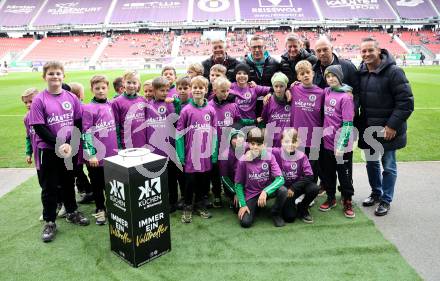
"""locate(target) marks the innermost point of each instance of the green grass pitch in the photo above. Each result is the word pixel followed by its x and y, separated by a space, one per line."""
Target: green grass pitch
pixel 333 248
pixel 423 127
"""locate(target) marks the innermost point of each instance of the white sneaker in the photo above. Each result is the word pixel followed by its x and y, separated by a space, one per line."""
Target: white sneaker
pixel 62 212
pixel 41 218
pixel 100 217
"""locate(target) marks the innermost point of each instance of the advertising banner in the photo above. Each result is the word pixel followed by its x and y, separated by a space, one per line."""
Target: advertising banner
pixel 278 9
pixel 355 9
pixel 18 12
pixel 73 12
pixel 214 10
pixel 128 11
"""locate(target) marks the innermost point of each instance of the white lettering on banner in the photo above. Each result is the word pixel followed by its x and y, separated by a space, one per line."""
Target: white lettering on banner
pixel 71 8
pixel 409 3
pixel 19 9
pixel 150 193
pixel 275 3
pixel 354 4
pixel 117 194
pixel 152 5
pixel 213 6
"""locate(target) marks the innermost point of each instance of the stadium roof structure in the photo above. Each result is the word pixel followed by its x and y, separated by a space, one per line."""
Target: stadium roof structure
pixel 36 15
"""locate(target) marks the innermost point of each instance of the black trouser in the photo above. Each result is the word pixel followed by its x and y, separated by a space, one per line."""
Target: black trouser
pixel 182 182
pixel 338 168
pixel 53 173
pixel 215 181
pixel 313 163
pixel 196 184
pixel 280 197
pixel 290 210
pixel 82 182
pixel 172 183
pixel 97 180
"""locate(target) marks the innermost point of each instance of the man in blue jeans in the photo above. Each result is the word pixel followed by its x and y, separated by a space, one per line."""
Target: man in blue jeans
pixel 386 102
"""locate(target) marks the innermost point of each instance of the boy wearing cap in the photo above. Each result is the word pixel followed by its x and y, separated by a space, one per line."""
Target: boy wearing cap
pixel 246 97
pixel 337 156
pixel 228 167
pixel 277 109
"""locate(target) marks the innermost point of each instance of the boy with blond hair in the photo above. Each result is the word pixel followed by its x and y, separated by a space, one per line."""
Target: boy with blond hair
pixel 130 111
pixel 196 146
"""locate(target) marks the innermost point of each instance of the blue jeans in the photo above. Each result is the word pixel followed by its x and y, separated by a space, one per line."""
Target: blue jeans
pixel 382 183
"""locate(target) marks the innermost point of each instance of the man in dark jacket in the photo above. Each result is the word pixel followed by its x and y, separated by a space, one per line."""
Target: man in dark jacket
pixel 294 54
pixel 262 65
pixel 386 100
pixel 219 56
pixel 326 57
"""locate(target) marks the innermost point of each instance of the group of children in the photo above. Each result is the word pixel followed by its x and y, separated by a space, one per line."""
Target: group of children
pixel 210 131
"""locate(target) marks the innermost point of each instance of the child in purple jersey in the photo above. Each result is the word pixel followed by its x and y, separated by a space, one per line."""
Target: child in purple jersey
pixel 216 71
pixel 298 177
pixel 161 132
pixel 183 86
pixel 228 166
pixel 169 73
pixel 257 178
pixel 99 140
pixel 246 96
pixel 81 180
pixel 337 155
pixel 118 85
pixel 130 110
pixel 276 112
pixel 196 145
pixel 227 114
pixel 307 113
pixel 31 137
pixel 54 115
pixel 195 69
pixel 148 90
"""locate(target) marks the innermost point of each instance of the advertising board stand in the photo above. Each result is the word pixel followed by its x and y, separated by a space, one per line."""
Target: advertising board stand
pixel 137 205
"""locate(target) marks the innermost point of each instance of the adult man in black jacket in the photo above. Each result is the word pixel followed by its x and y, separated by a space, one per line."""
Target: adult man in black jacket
pixel 386 100
pixel 219 56
pixel 294 54
pixel 326 57
pixel 262 65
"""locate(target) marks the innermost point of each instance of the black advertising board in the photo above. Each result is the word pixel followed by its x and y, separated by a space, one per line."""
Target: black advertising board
pixel 137 205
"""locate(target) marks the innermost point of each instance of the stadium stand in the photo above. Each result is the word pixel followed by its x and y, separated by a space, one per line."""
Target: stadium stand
pixel 429 39
pixel 13 45
pixel 126 46
pixel 161 31
pixel 66 49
